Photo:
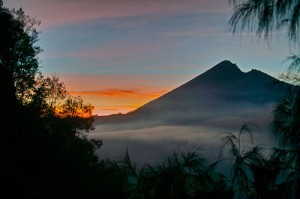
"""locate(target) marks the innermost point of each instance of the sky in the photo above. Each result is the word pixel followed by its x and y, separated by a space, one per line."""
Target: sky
pixel 121 54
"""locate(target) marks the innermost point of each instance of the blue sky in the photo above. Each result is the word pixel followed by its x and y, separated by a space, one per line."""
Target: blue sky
pixel 143 46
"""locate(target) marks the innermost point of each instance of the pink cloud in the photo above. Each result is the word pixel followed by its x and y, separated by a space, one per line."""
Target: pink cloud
pixel 57 12
pixel 81 82
pixel 115 51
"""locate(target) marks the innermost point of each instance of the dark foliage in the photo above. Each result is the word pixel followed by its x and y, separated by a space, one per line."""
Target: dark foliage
pixel 264 17
pixel 44 153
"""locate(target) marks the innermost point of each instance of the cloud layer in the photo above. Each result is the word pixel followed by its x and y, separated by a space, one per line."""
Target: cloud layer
pixel 149 145
pixel 111 101
pixel 57 13
pixel 148 45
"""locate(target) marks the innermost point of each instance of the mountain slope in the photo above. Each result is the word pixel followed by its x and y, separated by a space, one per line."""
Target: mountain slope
pixel 219 96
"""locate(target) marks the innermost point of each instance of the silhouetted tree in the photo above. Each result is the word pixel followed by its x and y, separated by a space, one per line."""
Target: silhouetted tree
pixel 18 65
pixel 182 176
pixel 43 153
pixel 286 128
pixel 47 95
pixel 18 61
pixel 50 98
pixel 240 184
pixel 256 172
pixel 264 17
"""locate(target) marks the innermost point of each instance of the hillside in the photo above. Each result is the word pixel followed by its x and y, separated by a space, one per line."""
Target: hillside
pixel 220 96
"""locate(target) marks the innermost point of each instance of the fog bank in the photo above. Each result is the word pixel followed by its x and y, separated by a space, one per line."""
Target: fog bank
pixel 149 145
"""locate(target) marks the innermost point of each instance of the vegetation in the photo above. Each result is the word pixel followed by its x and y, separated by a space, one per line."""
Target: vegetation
pixel 265 17
pixel 42 152
pixel 45 154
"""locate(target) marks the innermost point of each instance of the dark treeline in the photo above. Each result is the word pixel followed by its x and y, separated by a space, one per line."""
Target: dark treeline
pixel 45 152
pixel 42 152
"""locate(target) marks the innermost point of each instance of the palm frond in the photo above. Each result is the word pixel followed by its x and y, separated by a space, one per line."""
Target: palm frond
pixel 294 66
pixel 285 125
pixel 294 23
pixel 128 165
pixel 263 17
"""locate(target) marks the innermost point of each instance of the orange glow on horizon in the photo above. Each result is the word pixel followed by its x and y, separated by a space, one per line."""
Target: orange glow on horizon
pixel 113 94
pixel 114 101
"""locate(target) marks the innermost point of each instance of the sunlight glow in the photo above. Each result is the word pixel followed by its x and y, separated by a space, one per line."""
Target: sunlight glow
pixel 113 101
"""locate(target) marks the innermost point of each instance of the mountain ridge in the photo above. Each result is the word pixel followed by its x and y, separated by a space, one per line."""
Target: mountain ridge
pixel 222 91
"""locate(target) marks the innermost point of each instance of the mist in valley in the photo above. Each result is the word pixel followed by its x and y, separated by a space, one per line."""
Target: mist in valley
pixel 147 143
pixel 195 116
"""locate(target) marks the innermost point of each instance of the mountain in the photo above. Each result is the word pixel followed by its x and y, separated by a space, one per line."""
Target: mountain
pixel 223 95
